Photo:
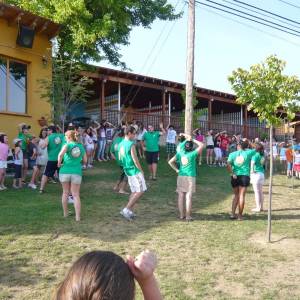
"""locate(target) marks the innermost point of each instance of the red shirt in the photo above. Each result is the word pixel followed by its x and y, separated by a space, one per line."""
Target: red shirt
pixel 224 142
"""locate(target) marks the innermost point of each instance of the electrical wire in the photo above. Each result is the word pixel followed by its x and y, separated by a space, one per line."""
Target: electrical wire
pixel 251 27
pixel 262 14
pixel 243 17
pixel 250 15
pixel 291 4
pixel 271 13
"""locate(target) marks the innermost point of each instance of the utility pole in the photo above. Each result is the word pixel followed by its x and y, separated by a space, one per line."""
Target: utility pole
pixel 190 69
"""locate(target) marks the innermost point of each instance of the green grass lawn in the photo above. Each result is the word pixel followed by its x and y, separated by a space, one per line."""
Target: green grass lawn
pixel 210 258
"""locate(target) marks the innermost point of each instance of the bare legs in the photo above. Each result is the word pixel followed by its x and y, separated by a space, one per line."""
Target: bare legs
pixel 152 170
pixel 238 201
pixel 75 191
pixel 133 198
pixel 24 169
pixel 209 156
pixel 2 177
pixel 185 199
pixel 43 182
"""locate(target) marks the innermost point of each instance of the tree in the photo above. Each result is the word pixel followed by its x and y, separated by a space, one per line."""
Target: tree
pixel 267 91
pixel 66 88
pixel 95 29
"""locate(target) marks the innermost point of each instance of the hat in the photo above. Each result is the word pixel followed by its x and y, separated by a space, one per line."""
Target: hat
pixel 16 140
pixel 26 127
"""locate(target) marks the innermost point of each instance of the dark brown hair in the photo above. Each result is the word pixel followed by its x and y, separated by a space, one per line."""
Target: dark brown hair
pixel 259 148
pixel 98 275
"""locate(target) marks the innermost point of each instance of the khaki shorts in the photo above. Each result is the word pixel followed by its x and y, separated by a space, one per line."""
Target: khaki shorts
pixel 186 184
pixel 73 178
pixel 137 183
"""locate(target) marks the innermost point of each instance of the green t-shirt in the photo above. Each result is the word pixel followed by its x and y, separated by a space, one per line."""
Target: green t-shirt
pixel 152 141
pixel 259 162
pixel 240 161
pixel 180 147
pixel 72 159
pixel 124 152
pixel 114 148
pixel 187 161
pixel 25 140
pixel 54 145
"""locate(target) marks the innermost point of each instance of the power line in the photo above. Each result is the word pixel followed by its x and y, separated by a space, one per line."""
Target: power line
pixel 262 14
pixel 271 13
pixel 252 27
pixel 288 3
pixel 250 15
pixel 243 17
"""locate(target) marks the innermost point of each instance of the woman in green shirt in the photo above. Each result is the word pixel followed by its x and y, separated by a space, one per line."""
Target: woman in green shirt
pixel 258 176
pixel 239 168
pixel 70 173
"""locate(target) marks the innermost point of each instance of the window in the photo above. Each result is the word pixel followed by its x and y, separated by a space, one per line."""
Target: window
pixel 13 86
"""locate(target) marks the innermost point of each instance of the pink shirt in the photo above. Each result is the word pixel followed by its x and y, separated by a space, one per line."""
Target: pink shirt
pixel 200 137
pixel 3 151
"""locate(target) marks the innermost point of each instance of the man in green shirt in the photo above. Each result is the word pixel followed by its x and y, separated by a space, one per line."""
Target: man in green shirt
pixel 121 184
pixel 25 136
pixel 151 146
pixel 186 158
pixel 238 165
pixel 54 143
pixel 132 168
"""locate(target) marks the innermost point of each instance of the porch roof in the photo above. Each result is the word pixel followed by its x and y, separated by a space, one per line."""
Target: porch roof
pixel 155 83
pixel 14 15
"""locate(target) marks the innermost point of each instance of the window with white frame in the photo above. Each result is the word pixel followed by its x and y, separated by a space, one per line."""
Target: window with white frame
pixel 13 85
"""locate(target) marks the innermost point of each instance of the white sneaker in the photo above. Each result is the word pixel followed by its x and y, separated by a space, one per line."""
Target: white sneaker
pixel 90 166
pixel 3 187
pixel 32 186
pixel 131 213
pixel 126 214
pixel 70 199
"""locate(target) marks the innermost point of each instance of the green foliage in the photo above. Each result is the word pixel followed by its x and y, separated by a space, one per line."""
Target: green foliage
pixel 66 88
pixel 94 29
pixel 266 90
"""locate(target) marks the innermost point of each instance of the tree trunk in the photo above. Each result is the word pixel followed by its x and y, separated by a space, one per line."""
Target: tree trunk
pixel 270 186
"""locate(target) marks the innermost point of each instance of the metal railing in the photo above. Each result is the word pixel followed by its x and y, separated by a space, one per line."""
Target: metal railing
pixel 246 130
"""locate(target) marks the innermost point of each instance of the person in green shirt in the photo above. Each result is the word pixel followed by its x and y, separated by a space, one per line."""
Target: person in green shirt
pixel 186 158
pixel 70 174
pixel 114 153
pixel 25 137
pixel 238 165
pixel 257 176
pixel 151 147
pixel 54 143
pixel 132 168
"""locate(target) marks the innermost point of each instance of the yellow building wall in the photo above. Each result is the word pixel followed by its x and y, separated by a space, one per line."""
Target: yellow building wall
pixel 36 106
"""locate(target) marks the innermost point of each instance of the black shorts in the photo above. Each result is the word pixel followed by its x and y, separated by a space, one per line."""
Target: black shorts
pixel 152 157
pixel 25 154
pixel 123 175
pixel 210 147
pixel 51 168
pixel 18 171
pixel 240 180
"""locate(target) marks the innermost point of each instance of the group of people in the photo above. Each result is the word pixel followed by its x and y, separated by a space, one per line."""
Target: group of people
pixel 77 148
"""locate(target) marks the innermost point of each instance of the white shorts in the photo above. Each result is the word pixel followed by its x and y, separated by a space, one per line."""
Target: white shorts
pixel 137 183
pixel 90 148
pixel 3 164
pixel 218 153
pixel 257 178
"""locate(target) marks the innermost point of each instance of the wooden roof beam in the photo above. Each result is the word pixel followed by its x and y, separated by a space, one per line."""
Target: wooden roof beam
pixel 16 19
pixel 43 27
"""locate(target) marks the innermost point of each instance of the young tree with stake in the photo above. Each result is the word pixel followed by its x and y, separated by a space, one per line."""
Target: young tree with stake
pixel 267 91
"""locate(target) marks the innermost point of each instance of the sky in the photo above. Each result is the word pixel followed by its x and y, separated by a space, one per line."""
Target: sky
pixel 221 45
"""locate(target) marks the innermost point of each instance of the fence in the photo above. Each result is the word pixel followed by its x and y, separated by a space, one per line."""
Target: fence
pixel 250 131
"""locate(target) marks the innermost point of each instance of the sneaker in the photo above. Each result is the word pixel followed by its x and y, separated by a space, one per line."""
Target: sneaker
pixel 51 180
pixel 41 191
pixel 3 187
pixel 32 186
pixel 131 213
pixel 70 199
pixel 125 213
pixel 15 187
pixel 90 166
